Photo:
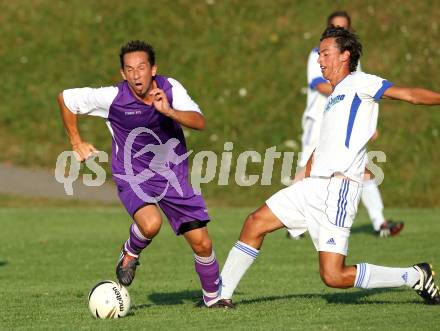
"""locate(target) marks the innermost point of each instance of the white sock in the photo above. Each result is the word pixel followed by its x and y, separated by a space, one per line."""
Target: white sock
pixel 373 202
pixel 238 262
pixel 374 276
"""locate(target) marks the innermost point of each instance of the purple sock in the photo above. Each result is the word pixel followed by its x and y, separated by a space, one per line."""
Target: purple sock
pixel 136 242
pixel 208 270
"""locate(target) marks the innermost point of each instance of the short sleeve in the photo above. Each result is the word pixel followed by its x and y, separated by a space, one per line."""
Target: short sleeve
pixel 181 100
pixel 90 101
pixel 372 87
pixel 314 74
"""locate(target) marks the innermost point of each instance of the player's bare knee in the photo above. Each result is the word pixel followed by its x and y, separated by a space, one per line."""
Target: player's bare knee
pixel 202 247
pixel 150 227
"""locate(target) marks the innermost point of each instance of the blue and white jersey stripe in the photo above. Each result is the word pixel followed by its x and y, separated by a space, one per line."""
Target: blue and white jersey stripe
pixel 353 111
pixel 347 126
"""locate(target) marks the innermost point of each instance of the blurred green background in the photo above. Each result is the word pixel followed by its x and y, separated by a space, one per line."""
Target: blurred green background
pixel 217 48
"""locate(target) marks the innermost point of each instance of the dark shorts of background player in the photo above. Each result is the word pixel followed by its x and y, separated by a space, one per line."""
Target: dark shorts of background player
pixel 184 213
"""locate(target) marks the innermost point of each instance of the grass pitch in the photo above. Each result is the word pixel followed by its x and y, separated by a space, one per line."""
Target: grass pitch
pixel 51 257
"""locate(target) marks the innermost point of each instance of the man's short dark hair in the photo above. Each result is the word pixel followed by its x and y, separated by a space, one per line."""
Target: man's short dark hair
pixel 340 13
pixel 346 41
pixel 137 46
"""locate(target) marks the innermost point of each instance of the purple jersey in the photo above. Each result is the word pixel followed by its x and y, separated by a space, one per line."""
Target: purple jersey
pixel 149 155
pixel 128 113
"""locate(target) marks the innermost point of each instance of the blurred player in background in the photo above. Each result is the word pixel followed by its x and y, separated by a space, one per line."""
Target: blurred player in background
pixel 325 202
pixel 145 114
pixel 317 92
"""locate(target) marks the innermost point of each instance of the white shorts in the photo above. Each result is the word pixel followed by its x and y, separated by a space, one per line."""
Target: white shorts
pixel 309 139
pixel 326 207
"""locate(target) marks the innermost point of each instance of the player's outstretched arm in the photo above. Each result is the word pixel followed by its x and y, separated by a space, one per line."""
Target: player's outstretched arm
pixel 414 95
pixel 190 119
pixel 71 125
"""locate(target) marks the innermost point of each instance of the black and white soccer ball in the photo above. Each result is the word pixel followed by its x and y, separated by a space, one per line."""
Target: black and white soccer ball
pixel 109 299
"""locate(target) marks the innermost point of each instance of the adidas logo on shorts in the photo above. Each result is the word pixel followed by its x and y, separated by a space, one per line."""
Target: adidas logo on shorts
pixel 331 241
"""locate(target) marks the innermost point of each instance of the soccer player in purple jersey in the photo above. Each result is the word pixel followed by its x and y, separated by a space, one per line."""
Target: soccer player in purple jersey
pixel 145 114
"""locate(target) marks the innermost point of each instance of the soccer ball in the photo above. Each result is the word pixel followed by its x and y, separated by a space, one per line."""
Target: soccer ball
pixel 109 299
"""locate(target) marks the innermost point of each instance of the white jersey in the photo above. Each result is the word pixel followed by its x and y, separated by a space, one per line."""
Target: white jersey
pixel 350 120
pixel 312 116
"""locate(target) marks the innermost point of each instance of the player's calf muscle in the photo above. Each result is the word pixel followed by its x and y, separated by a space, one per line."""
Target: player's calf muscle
pixel 200 241
pixel 343 278
pixel 253 229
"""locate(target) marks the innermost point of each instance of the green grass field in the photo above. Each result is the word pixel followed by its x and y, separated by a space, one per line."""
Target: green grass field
pixel 51 257
pixel 53 253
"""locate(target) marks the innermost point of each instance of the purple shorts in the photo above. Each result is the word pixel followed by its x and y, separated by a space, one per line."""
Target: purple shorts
pixel 177 208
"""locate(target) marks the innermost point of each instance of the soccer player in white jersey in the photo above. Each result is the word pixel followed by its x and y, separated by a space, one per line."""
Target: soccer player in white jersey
pixel 325 202
pixel 317 92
